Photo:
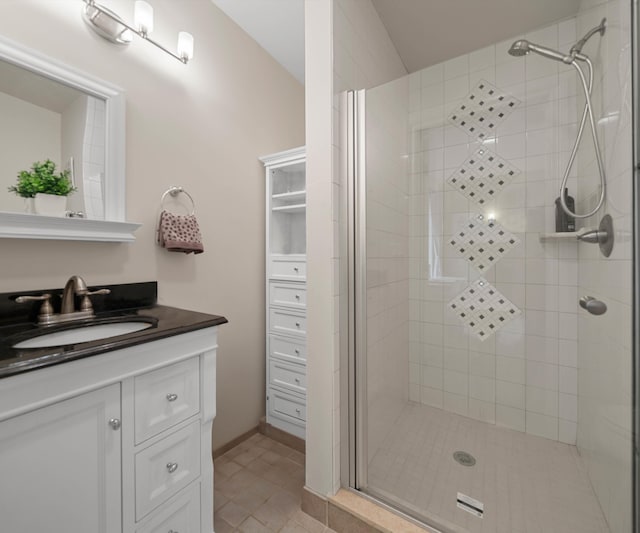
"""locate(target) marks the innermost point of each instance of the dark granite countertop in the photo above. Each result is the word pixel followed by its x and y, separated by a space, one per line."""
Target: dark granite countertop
pixel 165 322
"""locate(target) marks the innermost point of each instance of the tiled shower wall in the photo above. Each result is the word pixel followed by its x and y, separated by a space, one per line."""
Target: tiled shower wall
pixel 524 375
pixel 604 367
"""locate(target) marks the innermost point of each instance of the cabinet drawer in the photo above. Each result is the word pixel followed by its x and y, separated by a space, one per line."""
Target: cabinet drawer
pixel 288 322
pixel 287 406
pixel 287 349
pixel 180 516
pixel 288 294
pixel 292 377
pixel 165 397
pixel 166 467
pixel 283 267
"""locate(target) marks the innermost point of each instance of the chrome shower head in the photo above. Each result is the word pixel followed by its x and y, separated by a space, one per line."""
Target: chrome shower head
pixel 523 47
pixel 519 48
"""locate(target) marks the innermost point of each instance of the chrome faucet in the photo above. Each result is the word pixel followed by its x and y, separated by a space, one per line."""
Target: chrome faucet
pixel 74 286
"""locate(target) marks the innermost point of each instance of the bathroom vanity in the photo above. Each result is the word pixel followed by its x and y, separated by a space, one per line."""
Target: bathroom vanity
pixel 117 437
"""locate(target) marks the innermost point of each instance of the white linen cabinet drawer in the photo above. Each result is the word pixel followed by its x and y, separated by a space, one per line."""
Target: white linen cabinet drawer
pixel 287 406
pixel 293 351
pixel 287 322
pixel 288 267
pixel 286 376
pixel 288 294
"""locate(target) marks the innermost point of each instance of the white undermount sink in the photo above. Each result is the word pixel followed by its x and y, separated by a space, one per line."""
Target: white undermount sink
pixel 87 333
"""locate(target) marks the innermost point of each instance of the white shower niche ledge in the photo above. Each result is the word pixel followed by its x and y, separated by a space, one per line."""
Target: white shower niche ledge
pixel 29 226
pixel 562 236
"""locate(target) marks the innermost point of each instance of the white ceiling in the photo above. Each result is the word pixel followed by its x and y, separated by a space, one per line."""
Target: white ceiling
pixel 424 32
pixel 277 26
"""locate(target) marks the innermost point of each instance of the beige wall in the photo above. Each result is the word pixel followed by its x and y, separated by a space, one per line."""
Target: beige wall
pixel 201 126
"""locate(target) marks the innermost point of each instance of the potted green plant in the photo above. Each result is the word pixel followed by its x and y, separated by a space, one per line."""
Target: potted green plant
pixel 48 188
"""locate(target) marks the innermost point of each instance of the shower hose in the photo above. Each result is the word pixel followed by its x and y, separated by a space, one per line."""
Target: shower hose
pixel 587 111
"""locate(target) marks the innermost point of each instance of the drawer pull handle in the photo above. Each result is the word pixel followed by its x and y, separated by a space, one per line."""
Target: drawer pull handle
pixel 297 380
pixel 297 324
pixel 295 269
pixel 297 296
pixel 172 467
pixel 297 352
pixel 172 397
pixel 173 531
pixel 115 424
pixel 298 411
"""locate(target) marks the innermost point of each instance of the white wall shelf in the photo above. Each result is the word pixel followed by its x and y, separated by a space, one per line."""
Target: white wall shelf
pixel 293 208
pixel 29 226
pixel 292 196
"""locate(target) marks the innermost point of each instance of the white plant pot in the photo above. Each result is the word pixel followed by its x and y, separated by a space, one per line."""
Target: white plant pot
pixel 28 206
pixel 50 204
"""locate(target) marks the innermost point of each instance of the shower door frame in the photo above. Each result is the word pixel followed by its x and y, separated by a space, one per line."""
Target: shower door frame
pixel 357 300
pixel 635 87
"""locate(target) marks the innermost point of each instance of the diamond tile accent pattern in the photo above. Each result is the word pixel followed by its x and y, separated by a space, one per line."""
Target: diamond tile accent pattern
pixel 483 176
pixel 483 309
pixel 483 242
pixel 483 109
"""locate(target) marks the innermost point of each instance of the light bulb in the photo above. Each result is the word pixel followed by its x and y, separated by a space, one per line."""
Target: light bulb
pixel 185 46
pixel 143 17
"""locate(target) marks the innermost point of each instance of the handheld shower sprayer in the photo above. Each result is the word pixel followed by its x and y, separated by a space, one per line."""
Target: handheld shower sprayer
pixel 523 47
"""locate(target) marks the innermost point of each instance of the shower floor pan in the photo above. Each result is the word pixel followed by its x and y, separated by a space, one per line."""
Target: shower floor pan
pixel 527 484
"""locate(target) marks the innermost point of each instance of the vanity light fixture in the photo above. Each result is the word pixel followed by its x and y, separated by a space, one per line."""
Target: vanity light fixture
pixel 110 26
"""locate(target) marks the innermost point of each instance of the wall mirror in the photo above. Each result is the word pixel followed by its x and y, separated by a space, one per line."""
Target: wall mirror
pixel 53 111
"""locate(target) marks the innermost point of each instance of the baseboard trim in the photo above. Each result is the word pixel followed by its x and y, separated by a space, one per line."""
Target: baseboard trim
pixel 281 436
pixel 233 443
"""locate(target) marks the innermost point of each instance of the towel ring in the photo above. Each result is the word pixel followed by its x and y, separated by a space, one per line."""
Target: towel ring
pixel 175 191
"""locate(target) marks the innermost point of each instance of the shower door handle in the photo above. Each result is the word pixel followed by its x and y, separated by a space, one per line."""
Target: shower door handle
pixel 593 306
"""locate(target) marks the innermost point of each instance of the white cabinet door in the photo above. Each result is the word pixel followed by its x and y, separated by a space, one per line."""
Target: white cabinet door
pixel 60 466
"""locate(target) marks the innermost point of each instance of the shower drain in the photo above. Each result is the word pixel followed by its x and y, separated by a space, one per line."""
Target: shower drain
pixel 464 458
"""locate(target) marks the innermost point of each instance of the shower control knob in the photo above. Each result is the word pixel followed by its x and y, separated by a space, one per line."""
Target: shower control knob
pixel 593 306
pixel 593 236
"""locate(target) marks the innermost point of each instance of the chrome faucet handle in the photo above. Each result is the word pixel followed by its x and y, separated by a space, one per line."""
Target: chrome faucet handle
pixel 46 309
pixel 85 304
pixel 99 291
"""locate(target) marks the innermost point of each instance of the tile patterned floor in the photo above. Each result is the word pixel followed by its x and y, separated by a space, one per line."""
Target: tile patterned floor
pixel 258 487
pixel 528 484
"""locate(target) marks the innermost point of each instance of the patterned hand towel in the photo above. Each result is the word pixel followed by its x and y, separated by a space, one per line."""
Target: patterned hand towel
pixel 179 233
